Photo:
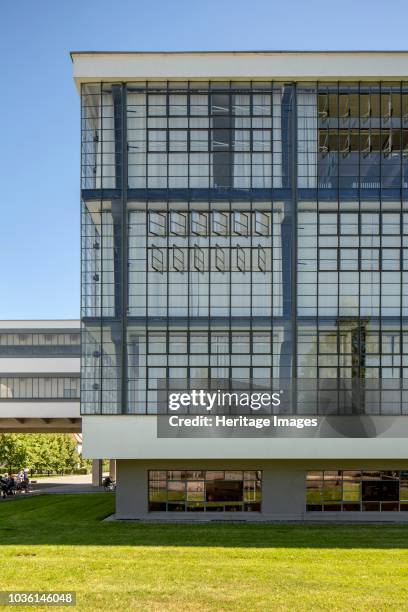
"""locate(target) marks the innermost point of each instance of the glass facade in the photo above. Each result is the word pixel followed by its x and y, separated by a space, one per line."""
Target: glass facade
pixel 245 230
pixel 357 490
pixel 40 343
pixel 39 387
pixel 205 491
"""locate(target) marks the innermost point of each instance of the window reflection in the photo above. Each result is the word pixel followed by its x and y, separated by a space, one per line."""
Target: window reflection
pixel 204 491
pixel 355 490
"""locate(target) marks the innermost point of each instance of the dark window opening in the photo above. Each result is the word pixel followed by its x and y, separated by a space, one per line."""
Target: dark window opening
pixel 224 491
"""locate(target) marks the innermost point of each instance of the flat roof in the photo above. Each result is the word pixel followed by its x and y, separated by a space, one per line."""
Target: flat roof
pixel 231 51
pixel 38 324
pixel 114 66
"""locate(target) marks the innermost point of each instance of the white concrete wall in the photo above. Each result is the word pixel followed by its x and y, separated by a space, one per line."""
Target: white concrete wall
pixel 135 437
pixel 38 325
pixel 40 365
pixel 240 65
pixel 283 490
pixel 35 409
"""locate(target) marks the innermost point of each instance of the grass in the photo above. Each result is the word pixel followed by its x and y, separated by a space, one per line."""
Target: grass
pixel 59 542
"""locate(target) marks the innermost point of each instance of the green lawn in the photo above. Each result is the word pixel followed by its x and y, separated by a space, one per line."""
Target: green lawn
pixel 58 542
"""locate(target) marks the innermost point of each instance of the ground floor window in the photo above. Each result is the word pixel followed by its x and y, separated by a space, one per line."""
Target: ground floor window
pixel 357 490
pixel 205 490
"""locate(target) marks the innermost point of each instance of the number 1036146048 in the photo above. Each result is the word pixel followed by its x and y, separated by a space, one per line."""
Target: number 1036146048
pixel 37 598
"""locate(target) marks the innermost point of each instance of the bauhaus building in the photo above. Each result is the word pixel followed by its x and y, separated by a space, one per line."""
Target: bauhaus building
pixel 245 219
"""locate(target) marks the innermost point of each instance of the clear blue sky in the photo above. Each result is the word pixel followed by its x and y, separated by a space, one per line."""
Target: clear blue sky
pixel 39 118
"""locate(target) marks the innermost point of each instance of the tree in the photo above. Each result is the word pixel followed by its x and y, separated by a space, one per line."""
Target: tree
pixel 39 452
pixel 13 452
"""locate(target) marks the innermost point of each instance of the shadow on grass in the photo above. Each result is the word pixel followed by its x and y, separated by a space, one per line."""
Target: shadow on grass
pixel 78 520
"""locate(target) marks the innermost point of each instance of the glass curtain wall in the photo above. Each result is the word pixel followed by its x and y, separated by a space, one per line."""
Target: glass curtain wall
pixel 103 278
pixel 53 343
pixel 220 217
pixel 200 135
pixel 352 296
pixel 186 261
pixel 39 387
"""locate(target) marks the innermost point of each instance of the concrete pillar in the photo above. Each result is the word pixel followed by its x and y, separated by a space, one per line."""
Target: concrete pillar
pixel 96 472
pixel 283 491
pixel 131 489
pixel 112 468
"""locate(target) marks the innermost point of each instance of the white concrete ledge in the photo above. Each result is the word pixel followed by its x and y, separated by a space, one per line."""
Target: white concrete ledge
pixel 40 365
pixel 37 409
pixel 40 324
pixel 240 65
pixel 135 437
pixel 258 517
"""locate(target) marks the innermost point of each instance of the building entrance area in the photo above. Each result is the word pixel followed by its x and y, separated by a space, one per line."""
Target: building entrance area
pixel 205 491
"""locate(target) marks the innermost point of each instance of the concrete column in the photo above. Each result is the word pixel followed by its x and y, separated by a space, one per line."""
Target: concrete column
pixel 112 468
pixel 283 491
pixel 96 472
pixel 131 489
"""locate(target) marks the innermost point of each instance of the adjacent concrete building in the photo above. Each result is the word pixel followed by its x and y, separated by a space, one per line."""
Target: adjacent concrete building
pixel 40 376
pixel 243 220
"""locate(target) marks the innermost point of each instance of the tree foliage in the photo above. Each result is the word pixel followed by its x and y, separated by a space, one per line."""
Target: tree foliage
pixel 13 451
pixel 38 452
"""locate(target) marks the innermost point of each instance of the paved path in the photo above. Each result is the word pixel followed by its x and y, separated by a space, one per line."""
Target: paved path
pixel 77 483
pixel 61 484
